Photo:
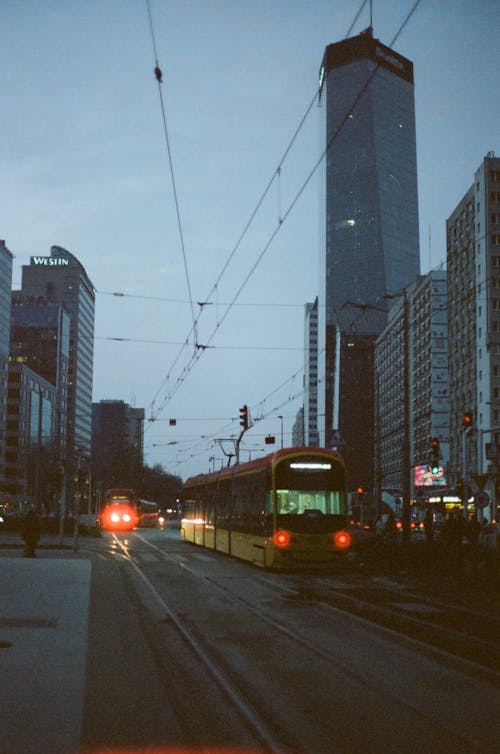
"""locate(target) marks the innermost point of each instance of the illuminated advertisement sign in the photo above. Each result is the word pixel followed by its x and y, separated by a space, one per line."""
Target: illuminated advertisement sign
pixel 423 476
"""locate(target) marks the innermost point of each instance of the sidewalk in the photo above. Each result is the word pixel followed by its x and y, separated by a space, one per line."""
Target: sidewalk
pixel 44 607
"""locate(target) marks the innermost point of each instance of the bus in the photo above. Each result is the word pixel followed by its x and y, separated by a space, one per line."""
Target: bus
pixel 286 510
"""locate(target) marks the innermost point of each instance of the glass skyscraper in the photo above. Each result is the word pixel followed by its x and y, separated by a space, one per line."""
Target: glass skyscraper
pixel 371 241
pixel 40 340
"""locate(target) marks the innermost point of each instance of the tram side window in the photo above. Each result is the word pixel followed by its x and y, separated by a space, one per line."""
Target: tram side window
pixel 210 508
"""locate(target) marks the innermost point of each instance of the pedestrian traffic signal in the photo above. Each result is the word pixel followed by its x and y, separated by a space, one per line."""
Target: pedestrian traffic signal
pixel 436 455
pixel 244 416
pixel 467 420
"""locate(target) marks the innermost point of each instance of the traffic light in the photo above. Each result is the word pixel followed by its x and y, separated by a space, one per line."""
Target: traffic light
pixel 244 416
pixel 436 455
pixel 467 420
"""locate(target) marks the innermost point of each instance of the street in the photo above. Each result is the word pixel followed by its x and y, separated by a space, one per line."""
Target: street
pixel 188 651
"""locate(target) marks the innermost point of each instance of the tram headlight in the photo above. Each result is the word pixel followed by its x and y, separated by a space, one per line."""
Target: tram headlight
pixel 282 538
pixel 114 517
pixel 342 539
pixel 127 517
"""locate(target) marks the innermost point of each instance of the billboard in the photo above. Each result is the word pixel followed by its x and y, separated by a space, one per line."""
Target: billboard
pixel 423 476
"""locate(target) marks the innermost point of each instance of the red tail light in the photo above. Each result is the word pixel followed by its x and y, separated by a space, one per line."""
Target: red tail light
pixel 342 539
pixel 282 538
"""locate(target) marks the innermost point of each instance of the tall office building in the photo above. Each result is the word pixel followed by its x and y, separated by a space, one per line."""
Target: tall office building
pixel 473 261
pixel 371 243
pixel 62 279
pixel 117 444
pixel 411 389
pixel 5 297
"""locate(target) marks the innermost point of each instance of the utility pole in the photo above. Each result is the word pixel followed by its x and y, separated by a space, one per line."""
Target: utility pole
pixel 281 418
pixel 467 423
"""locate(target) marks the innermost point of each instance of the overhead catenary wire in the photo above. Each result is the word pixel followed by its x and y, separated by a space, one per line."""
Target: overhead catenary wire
pixel 194 358
pixel 159 79
pixel 286 214
pixel 234 250
pixel 218 347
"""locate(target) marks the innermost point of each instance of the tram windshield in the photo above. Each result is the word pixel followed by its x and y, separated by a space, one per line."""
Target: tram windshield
pixel 300 501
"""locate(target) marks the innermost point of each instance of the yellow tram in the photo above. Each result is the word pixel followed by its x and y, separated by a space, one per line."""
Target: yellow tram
pixel 286 510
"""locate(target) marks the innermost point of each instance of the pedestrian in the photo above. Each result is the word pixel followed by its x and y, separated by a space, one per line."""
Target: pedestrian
pixel 473 530
pixel 31 533
pixel 390 529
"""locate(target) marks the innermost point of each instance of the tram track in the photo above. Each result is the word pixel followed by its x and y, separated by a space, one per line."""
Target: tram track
pixel 294 630
pixel 478 656
pixel 250 717
pixel 468 634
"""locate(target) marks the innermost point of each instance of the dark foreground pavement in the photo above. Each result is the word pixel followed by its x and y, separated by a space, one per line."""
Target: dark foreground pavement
pixel 63 613
pixel 43 649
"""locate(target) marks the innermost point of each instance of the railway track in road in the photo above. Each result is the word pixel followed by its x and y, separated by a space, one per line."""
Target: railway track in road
pixel 468 633
pixel 237 621
pixel 464 631
pixel 263 735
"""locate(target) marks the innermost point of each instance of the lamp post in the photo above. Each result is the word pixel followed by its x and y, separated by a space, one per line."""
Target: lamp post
pixel 281 419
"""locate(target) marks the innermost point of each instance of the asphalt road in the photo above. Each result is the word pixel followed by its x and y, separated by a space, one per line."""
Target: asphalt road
pixel 190 651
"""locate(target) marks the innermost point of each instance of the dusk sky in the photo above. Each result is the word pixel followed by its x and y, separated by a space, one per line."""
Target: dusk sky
pixel 84 165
